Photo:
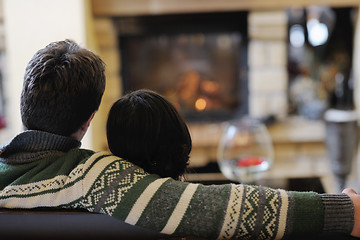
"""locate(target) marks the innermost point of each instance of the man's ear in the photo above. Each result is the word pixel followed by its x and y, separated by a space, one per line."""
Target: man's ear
pixel 86 125
pixel 79 134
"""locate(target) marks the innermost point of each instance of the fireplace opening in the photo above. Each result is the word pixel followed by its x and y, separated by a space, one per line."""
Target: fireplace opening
pixel 197 61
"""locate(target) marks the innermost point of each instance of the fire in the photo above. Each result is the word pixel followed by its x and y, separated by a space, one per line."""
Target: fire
pixel 200 104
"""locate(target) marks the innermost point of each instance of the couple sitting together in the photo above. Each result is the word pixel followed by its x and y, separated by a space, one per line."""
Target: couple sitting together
pixel 139 182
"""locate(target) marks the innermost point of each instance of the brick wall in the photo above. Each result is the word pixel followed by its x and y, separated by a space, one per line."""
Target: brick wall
pixel 107 47
pixel 267 60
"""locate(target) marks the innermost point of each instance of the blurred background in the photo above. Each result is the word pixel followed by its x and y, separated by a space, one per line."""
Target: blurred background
pixel 285 63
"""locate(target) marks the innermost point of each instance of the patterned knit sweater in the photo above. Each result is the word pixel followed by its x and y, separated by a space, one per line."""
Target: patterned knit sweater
pixel 39 169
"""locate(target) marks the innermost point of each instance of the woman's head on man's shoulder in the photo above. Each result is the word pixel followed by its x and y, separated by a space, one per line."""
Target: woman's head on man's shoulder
pixel 146 129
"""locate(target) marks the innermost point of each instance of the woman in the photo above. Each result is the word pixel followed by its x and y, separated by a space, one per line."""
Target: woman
pixel 146 129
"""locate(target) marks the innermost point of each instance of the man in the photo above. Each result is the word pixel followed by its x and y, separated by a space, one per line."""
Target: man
pixel 44 167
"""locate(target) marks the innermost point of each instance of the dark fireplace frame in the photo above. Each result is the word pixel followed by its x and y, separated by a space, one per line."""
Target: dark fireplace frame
pixel 207 23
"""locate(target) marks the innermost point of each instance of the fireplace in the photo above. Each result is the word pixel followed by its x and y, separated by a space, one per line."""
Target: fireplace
pixel 197 61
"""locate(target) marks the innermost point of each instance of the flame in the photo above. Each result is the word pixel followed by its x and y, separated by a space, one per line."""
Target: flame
pixel 200 104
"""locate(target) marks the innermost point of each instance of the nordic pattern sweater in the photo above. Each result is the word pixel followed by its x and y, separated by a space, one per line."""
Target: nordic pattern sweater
pixel 39 169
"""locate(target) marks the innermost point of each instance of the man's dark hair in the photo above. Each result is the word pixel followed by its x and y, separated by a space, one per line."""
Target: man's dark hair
pixel 146 129
pixel 63 85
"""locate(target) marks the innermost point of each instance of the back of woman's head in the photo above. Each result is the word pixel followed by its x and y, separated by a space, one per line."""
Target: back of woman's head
pixel 146 129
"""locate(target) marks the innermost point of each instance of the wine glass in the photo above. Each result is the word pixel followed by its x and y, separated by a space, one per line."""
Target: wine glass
pixel 245 150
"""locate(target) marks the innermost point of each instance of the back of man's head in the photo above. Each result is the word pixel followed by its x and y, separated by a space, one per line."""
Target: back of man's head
pixel 63 86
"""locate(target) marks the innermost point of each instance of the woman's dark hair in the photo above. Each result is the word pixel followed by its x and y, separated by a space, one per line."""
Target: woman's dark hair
pixel 144 128
pixel 63 85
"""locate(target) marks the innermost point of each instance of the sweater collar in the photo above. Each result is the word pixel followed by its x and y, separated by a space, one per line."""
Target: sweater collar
pixel 31 145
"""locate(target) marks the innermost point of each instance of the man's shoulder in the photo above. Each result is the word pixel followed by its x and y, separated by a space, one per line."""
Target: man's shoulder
pixel 102 168
pixel 85 155
pixel 91 159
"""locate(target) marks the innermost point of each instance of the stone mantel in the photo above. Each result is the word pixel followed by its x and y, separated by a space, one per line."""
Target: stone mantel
pixel 292 138
pixel 289 130
pixel 293 133
pixel 118 8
